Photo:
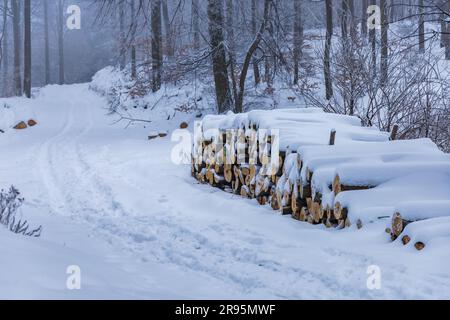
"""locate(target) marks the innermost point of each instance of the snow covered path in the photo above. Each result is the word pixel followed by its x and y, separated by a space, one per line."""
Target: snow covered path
pixel 140 227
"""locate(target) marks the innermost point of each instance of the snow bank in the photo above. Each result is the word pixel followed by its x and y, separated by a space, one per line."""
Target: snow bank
pixel 428 232
pixel 15 110
pixel 386 199
pixel 374 174
pixel 424 209
pixel 105 79
pixel 297 127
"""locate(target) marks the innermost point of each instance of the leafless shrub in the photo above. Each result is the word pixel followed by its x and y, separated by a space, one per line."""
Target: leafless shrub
pixel 10 202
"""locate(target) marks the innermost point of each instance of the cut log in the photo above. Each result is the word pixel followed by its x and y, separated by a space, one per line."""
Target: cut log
pixel 245 192
pixel 340 213
pixel 419 245
pixel 406 239
pixel 305 191
pixel 303 214
pixel 275 204
pixel 236 186
pixel 262 200
pixel 228 173
pixel 338 187
pixel 31 123
pixel 184 125
pixel 20 126
pixel 398 225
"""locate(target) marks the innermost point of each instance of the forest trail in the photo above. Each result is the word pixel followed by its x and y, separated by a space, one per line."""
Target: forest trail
pixel 181 239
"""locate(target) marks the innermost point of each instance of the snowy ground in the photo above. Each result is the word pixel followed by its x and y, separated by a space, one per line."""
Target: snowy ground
pixel 139 226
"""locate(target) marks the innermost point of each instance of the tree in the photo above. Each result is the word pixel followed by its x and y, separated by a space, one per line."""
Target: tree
pixel 364 6
pixel 196 24
pixel 443 23
pixel 447 32
pixel 157 55
pixel 17 51
pixel 231 44
pixel 421 27
pixel 256 72
pixel 122 57
pixel 220 70
pixel 384 41
pixel 168 29
pixel 27 49
pixel 4 47
pixel 373 43
pixel 344 18
pixel 298 38
pixel 326 60
pixel 61 41
pixel 47 44
pixel 133 39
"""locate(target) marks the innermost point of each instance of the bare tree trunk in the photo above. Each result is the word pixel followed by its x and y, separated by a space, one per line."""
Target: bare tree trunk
pixel 326 60
pixel 47 44
pixel 168 29
pixel 344 18
pixel 256 72
pixel 220 69
pixel 157 55
pixel 373 42
pixel 443 25
pixel 16 31
pixel 269 61
pixel 298 38
pixel 364 18
pixel 133 39
pixel 122 57
pixel 61 41
pixel 421 27
pixel 353 21
pixel 231 44
pixel 447 33
pixel 27 49
pixel 384 41
pixel 4 46
pixel 196 24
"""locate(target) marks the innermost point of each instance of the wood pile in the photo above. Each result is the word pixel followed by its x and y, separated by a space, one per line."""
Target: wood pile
pixel 321 163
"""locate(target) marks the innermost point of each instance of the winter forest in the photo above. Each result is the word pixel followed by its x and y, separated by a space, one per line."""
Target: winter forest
pixel 98 99
pixel 387 74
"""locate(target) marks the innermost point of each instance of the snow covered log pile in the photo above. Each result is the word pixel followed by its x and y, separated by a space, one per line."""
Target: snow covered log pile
pixel 325 169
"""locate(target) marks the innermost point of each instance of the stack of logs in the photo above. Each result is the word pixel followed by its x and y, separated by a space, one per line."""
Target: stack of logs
pixel 278 186
pixel 231 165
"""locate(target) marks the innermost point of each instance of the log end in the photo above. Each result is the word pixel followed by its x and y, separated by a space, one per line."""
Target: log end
pixel 419 245
pixel 406 239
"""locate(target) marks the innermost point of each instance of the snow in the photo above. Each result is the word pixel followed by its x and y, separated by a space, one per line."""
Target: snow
pixel 373 174
pixel 297 127
pixel 419 187
pixel 421 210
pixel 139 226
pixel 434 233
